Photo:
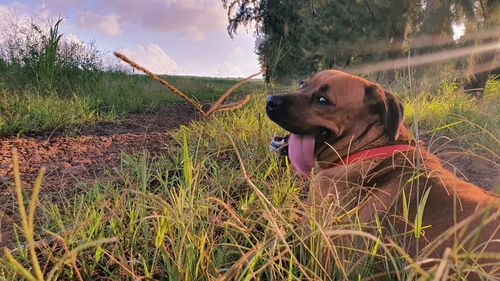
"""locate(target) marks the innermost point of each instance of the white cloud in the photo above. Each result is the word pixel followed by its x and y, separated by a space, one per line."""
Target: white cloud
pixel 228 70
pixel 192 18
pixel 154 58
pixel 236 52
pixel 105 23
pixel 194 34
pixel 44 12
pixel 16 7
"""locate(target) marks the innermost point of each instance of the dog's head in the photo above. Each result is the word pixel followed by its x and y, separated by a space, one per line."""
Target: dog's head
pixel 336 107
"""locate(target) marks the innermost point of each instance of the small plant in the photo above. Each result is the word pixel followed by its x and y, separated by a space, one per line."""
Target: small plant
pixel 39 55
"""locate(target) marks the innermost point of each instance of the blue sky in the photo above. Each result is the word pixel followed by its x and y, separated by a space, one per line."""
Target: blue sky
pixel 185 37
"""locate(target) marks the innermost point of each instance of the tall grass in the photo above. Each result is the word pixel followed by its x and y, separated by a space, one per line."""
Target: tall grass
pixel 40 57
pixel 473 123
pixel 216 205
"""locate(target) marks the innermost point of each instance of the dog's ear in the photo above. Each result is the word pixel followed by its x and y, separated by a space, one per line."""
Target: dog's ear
pixel 387 105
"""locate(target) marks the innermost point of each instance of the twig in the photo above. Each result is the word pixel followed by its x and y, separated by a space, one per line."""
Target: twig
pixel 72 258
pixel 176 91
pixel 230 106
pixel 217 106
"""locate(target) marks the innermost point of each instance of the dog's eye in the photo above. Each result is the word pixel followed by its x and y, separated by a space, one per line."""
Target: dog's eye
pixel 323 100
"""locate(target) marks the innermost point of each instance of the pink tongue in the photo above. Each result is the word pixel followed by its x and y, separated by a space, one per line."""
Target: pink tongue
pixel 301 153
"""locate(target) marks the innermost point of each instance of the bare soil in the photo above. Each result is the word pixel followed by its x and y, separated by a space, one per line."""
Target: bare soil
pixel 467 165
pixel 92 149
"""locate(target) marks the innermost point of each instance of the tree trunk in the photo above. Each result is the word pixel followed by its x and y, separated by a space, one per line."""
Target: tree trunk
pixel 397 38
pixel 479 70
pixel 481 65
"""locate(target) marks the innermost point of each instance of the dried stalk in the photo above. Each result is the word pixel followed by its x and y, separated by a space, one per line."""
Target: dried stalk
pixel 231 106
pixel 216 107
pixel 217 104
pixel 176 91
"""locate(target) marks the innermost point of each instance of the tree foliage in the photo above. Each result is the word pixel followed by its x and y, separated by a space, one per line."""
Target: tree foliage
pixel 296 38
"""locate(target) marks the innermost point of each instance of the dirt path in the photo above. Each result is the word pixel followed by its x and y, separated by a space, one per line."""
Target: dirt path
pixel 96 148
pixel 468 166
pixel 91 151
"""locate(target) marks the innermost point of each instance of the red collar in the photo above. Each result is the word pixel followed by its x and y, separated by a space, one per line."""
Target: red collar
pixel 374 153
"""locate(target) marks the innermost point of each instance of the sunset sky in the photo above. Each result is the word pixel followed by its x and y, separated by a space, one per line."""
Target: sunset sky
pixel 183 37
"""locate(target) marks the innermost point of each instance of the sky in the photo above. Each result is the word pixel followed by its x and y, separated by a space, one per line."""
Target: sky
pixel 180 37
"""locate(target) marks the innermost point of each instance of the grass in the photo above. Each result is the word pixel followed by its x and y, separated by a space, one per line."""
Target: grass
pixel 473 124
pixel 139 93
pixel 32 112
pixel 219 205
pixel 35 110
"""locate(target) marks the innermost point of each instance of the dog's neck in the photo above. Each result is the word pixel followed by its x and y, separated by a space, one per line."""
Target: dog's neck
pixel 336 149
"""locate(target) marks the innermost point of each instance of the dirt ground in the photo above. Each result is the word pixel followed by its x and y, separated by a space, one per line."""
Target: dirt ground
pixel 95 148
pixel 90 151
pixel 467 165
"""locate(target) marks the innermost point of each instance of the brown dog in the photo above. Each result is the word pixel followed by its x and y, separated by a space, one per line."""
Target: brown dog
pixel 351 131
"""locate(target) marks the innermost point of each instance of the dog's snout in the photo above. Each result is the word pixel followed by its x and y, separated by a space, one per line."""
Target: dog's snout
pixel 273 103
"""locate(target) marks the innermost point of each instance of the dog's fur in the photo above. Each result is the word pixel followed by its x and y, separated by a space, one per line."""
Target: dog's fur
pixel 359 115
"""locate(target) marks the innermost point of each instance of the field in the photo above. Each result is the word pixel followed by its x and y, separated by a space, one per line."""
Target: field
pixel 176 197
pixel 103 97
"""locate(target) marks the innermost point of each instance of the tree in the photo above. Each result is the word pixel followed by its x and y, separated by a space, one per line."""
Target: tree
pixel 295 38
pixel 278 26
pixel 479 17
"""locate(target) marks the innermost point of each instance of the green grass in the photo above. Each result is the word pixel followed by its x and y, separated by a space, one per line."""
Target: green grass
pixel 191 214
pixel 32 112
pixel 473 124
pixel 139 93
pixel 113 95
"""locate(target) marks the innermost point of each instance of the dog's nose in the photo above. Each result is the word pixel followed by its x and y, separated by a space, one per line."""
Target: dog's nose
pixel 273 103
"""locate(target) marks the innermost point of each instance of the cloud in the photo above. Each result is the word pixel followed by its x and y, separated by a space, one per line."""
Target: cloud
pixel 228 70
pixel 191 18
pixel 105 23
pixel 236 52
pixel 154 58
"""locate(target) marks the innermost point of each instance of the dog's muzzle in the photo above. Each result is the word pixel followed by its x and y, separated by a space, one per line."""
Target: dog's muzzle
pixel 274 103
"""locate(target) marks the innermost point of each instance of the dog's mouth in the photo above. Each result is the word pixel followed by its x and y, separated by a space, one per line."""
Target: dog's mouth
pixel 303 148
